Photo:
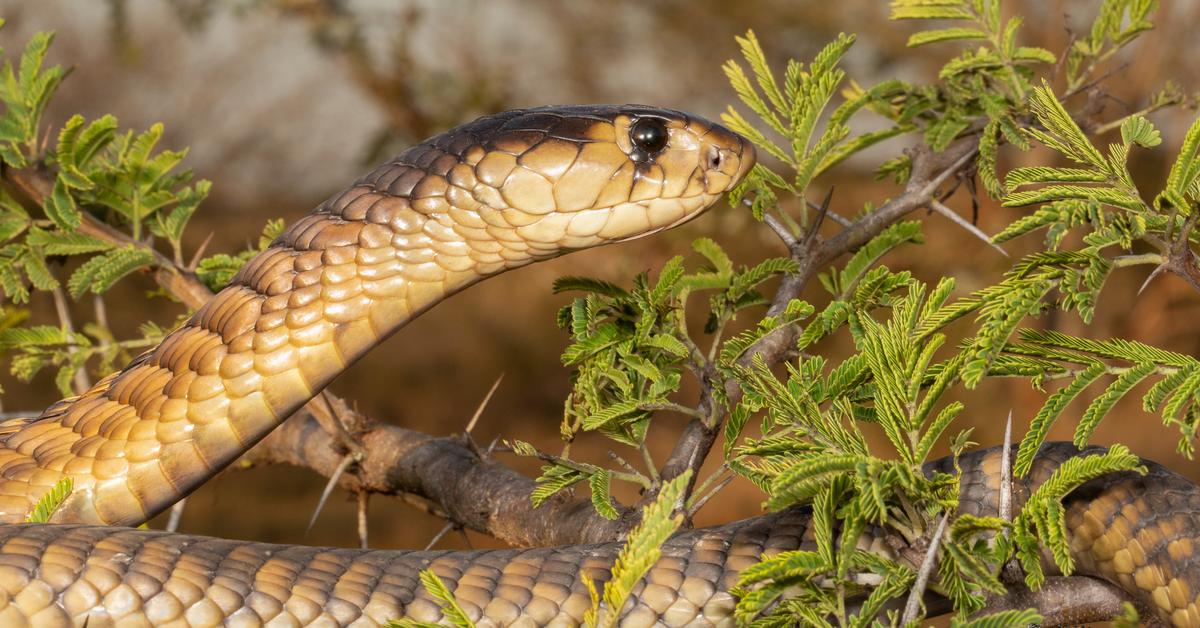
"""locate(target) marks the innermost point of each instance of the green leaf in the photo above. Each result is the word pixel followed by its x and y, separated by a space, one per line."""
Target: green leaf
pixel 945 34
pixel 784 565
pixel 37 271
pixel 1105 402
pixel 451 611
pixel 1042 174
pixel 601 500
pixel 60 208
pixel 715 256
pixel 552 480
pixel 589 284
pixel 65 243
pixel 640 552
pixel 1049 412
pixel 1044 517
pixel 842 283
pixel 94 139
pixel 1033 54
pixel 1062 133
pixel 1136 129
pixel 988 149
pixel 1002 619
pixel 69 170
pixel 37 335
pixel 930 10
pixel 101 272
pixel 1181 188
pixel 1106 195
pixel 51 501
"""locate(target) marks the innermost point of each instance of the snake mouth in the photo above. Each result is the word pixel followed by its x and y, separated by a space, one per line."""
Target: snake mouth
pixel 686 217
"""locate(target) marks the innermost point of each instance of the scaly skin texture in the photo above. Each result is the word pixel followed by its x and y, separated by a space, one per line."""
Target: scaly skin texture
pixel 493 195
pixel 1135 531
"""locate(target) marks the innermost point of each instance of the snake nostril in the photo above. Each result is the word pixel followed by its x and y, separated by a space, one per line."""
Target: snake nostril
pixel 714 157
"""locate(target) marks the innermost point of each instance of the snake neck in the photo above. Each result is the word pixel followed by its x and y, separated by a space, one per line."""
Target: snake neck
pixel 331 287
pixel 491 195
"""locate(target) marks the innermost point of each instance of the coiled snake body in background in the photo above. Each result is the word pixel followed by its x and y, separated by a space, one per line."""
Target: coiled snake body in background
pixel 489 196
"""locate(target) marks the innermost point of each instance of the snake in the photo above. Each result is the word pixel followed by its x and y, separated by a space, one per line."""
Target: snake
pixel 486 197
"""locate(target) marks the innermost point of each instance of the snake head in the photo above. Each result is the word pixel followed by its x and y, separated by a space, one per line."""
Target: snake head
pixel 566 178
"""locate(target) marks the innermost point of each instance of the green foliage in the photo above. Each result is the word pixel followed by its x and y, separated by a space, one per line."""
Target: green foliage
pixel 217 270
pixel 809 447
pixel 107 191
pixel 813 451
pixel 791 110
pixel 1042 520
pixel 1003 619
pixel 25 91
pixel 51 501
pixel 1117 24
pixel 641 550
pixel 451 611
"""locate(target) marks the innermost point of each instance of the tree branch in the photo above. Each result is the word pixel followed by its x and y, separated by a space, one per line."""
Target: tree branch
pixel 1070 601
pixel 475 492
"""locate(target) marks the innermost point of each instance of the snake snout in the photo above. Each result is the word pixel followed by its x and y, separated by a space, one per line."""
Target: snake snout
pixel 729 158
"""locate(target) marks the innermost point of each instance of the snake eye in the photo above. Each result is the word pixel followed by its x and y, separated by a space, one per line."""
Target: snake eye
pixel 649 135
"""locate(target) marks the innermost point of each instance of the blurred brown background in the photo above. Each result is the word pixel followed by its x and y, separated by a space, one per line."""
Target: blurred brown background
pixel 284 102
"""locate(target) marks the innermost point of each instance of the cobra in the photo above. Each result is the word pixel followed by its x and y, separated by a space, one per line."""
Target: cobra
pixel 493 195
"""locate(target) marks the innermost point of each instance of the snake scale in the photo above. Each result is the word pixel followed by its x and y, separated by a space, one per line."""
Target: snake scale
pixel 492 195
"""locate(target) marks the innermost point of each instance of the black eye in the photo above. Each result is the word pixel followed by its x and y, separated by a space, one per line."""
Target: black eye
pixel 649 135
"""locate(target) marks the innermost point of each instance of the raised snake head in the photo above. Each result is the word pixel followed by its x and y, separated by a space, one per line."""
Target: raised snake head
pixel 534 183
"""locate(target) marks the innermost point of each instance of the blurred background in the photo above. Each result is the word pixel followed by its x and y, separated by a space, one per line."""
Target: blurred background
pixel 285 102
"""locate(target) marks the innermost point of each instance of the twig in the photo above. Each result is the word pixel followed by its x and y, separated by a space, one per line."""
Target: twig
pixel 1158 270
pixel 621 461
pixel 695 508
pixel 648 460
pixel 1069 601
pixel 81 381
pixel 1006 484
pixel 832 215
pixel 669 406
pixel 437 537
pixel 638 479
pixel 100 310
pixel 347 460
pixel 1125 261
pixel 781 231
pixel 199 254
pixel 176 515
pixel 811 238
pixel 483 404
pixel 938 207
pixel 913 606
pixel 364 500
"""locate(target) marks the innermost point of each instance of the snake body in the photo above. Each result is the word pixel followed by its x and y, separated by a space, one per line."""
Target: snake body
pixel 483 198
